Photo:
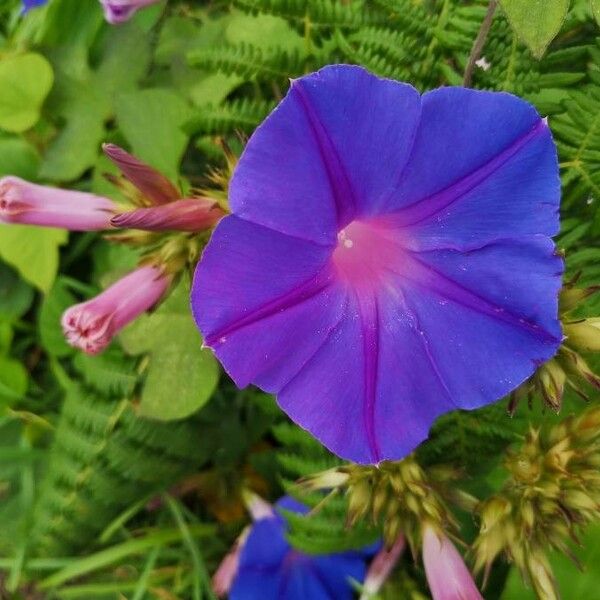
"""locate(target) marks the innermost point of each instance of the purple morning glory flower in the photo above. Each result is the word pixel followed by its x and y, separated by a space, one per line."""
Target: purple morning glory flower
pixel 269 568
pixel 388 259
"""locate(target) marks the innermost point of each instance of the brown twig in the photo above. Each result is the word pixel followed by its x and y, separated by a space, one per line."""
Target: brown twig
pixel 479 42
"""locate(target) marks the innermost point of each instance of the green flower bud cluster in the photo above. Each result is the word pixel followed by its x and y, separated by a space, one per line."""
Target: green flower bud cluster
pixel 568 367
pixel 553 490
pixel 399 496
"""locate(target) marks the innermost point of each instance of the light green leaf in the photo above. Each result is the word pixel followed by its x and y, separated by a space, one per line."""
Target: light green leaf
pixel 33 252
pixel 536 22
pixel 25 80
pixel 18 157
pixel 263 31
pixel 181 375
pixel 596 9
pixel 151 120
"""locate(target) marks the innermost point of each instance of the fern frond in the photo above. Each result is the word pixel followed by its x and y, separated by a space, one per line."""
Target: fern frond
pixel 577 133
pixel 314 13
pixel 102 459
pixel 110 373
pixel 249 61
pixel 237 115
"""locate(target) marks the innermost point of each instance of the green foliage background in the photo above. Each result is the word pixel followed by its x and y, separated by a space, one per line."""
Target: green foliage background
pixel 89 446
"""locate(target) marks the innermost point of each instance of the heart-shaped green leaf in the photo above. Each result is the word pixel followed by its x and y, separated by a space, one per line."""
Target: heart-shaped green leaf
pixel 25 80
pixel 536 22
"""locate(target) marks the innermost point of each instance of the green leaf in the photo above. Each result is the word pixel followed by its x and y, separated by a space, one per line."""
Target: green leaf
pixel 84 98
pixel 151 120
pixel 18 157
pixel 53 306
pixel 15 295
pixel 25 80
pixel 536 22
pixel 181 375
pixel 13 379
pixel 33 252
pixel 595 4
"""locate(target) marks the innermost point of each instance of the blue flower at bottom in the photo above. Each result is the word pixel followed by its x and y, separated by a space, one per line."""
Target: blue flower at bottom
pixel 271 569
pixel 29 4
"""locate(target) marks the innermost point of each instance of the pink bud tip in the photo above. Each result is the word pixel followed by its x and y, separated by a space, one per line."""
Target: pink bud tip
pixel 381 567
pixel 195 214
pixel 447 574
pixel 90 326
pixel 119 11
pixel 225 574
pixel 26 203
pixel 153 185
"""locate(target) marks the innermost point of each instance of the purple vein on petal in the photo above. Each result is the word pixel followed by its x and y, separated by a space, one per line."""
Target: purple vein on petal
pixel 330 332
pixel 423 274
pixel 341 189
pixel 430 206
pixel 370 327
pixel 299 294
pixel 424 341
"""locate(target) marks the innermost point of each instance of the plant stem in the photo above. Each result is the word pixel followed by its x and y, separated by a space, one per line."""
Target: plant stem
pixel 479 42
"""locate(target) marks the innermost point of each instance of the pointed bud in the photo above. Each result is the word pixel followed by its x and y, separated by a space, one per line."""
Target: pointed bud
pixel 119 11
pixel 257 507
pixel 542 579
pixel 90 326
pixel 447 574
pixel 30 204
pixel 571 297
pixel 381 567
pixel 326 480
pixel 153 185
pixel 576 367
pixel 552 380
pixel 195 214
pixel 584 335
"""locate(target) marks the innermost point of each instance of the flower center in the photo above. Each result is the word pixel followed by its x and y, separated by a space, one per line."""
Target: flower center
pixel 366 251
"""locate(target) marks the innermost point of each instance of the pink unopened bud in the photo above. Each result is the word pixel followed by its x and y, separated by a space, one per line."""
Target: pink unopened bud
pixel 224 576
pixel 91 325
pixel 195 214
pixel 153 185
pixel 119 11
pixel 381 568
pixel 30 204
pixel 447 574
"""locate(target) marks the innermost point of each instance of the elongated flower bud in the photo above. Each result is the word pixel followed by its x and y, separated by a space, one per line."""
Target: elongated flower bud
pixel 91 325
pixel 381 567
pixel 194 214
pixel 119 11
pixel 155 187
pixel 447 574
pixel 30 204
